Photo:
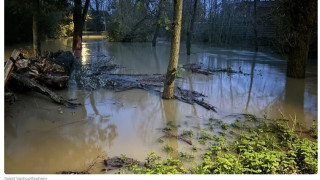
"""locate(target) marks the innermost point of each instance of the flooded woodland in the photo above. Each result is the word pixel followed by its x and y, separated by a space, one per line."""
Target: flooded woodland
pixel 234 109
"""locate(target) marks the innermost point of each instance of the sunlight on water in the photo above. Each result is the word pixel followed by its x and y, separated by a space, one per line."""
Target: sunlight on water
pixel 84 54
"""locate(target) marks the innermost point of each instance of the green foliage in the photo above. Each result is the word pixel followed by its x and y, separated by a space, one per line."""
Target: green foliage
pixel 236 124
pixel 151 159
pixel 211 126
pixel 179 70
pixel 123 157
pixel 169 126
pixel 285 134
pixel 204 136
pixel 156 166
pixel 265 149
pixel 314 130
pixel 18 20
pixel 222 133
pixel 187 133
pixel 263 162
pixel 165 22
pixel 220 140
pixel 306 156
pixel 186 156
pixel 128 22
pixel 168 149
pixel 224 164
pixel 160 140
pixel 194 148
pixel 225 126
pixel 251 117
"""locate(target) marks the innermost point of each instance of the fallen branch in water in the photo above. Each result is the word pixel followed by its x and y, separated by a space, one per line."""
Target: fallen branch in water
pixel 43 90
pixel 147 82
pixel 200 69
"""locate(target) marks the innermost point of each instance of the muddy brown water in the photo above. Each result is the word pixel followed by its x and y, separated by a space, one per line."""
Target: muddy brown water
pixel 42 137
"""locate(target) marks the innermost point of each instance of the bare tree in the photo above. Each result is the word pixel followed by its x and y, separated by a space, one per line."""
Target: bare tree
pixel 190 30
pixel 168 92
pixel 35 28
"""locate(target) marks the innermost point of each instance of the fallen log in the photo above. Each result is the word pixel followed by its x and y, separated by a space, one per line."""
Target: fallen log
pixel 54 81
pixel 201 69
pixel 43 90
pixel 10 64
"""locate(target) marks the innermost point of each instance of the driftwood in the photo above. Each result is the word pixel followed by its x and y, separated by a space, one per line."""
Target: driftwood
pixel 43 90
pixel 201 69
pixel 10 64
pixel 51 70
pixel 147 82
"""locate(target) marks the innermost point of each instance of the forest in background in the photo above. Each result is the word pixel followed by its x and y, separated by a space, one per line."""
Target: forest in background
pixel 221 23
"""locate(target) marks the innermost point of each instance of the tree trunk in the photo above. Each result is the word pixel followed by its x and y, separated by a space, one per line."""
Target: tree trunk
pixel 168 92
pixel 255 26
pixel 303 19
pixel 97 15
pixel 190 30
pixel 79 18
pixel 156 32
pixel 35 30
pixel 298 57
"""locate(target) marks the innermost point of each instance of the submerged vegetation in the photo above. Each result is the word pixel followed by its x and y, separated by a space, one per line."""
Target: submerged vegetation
pixel 269 147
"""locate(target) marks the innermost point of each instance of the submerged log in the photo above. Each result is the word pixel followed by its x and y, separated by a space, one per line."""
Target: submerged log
pixel 54 81
pixel 43 90
pixel 200 69
pixel 10 64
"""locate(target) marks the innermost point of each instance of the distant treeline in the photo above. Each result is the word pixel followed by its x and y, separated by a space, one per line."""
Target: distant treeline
pixel 218 22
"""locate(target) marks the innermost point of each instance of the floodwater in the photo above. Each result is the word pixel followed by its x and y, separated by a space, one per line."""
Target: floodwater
pixel 42 137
